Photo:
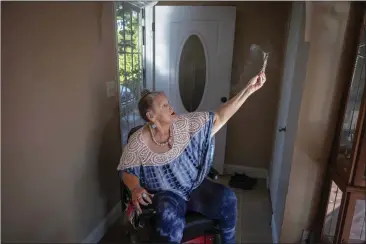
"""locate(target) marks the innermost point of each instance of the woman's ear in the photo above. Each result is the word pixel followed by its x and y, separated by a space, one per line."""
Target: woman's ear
pixel 149 115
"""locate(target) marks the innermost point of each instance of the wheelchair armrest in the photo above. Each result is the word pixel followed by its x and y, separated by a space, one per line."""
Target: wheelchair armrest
pixel 213 174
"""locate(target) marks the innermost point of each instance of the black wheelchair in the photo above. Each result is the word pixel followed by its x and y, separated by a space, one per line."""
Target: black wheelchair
pixel 198 228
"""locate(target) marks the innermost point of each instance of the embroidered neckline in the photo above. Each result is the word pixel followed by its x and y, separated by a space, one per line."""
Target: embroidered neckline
pixel 139 136
pixel 137 152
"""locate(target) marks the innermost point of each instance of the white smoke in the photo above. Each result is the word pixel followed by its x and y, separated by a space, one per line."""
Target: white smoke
pixel 256 62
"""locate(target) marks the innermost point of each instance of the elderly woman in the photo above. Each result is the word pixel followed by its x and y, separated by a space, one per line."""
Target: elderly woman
pixel 165 163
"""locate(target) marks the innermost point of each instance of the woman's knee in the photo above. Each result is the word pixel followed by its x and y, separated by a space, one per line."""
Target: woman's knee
pixel 170 219
pixel 170 224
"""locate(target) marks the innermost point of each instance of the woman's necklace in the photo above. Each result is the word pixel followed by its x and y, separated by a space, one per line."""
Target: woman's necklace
pixel 162 144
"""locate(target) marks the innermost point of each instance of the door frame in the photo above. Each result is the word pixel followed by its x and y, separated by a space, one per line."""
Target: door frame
pixel 298 79
pixel 149 37
pixel 279 122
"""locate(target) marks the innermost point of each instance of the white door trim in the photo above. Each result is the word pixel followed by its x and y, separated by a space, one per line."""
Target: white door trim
pixel 298 79
pixel 149 59
pixel 275 237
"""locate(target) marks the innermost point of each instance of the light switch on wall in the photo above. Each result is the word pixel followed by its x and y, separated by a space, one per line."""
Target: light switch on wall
pixel 111 89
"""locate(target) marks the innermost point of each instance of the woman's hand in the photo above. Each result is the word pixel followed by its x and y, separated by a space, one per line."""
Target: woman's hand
pixel 256 83
pixel 140 196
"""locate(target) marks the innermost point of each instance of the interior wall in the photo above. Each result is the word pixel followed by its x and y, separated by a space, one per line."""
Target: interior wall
pixel 250 132
pixel 61 139
pixel 317 118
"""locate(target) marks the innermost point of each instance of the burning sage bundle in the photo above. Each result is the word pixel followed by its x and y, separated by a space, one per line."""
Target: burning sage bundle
pixel 256 63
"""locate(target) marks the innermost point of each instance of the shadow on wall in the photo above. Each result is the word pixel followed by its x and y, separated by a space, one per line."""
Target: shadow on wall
pixel 101 179
pixel 108 160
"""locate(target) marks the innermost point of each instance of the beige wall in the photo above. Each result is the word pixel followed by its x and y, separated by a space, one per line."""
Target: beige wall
pixel 60 133
pixel 250 133
pixel 251 130
pixel 317 118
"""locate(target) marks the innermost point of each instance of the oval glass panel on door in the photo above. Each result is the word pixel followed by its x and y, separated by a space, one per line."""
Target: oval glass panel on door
pixel 192 73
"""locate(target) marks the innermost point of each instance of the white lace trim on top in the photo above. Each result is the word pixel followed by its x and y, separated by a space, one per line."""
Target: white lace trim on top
pixel 137 153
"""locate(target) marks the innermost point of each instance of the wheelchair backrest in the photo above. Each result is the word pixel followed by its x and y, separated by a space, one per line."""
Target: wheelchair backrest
pixel 133 130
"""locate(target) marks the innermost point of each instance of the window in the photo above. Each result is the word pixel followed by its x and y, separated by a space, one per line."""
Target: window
pixel 129 27
pixel 343 201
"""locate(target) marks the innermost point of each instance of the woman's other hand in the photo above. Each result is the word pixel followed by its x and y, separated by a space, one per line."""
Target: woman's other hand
pixel 140 196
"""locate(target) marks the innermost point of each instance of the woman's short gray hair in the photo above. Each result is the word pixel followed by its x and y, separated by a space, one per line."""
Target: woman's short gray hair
pixel 146 102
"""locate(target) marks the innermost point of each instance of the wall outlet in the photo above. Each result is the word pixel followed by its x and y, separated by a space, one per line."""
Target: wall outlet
pixel 111 88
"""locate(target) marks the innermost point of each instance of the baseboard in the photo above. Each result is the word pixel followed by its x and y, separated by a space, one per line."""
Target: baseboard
pixel 274 230
pixel 259 173
pixel 97 234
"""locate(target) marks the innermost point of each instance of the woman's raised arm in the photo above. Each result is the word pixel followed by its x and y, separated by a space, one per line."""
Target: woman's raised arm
pixel 227 110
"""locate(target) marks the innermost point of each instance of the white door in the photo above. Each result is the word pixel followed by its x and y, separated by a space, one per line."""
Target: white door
pixel 193 55
pixel 291 58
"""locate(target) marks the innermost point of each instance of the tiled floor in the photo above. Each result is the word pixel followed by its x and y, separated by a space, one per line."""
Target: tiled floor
pixel 253 223
pixel 254 214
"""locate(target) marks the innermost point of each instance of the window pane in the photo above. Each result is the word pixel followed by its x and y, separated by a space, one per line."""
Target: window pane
pixel 129 65
pixel 331 218
pixel 358 227
pixel 353 108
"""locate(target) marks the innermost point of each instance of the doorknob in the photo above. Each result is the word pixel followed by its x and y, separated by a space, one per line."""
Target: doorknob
pixel 282 129
pixel 223 99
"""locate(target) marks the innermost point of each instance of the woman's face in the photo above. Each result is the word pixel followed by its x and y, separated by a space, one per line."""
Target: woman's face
pixel 162 112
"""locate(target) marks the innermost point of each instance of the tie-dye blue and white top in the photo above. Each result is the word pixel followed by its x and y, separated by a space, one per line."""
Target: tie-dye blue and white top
pixel 184 166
